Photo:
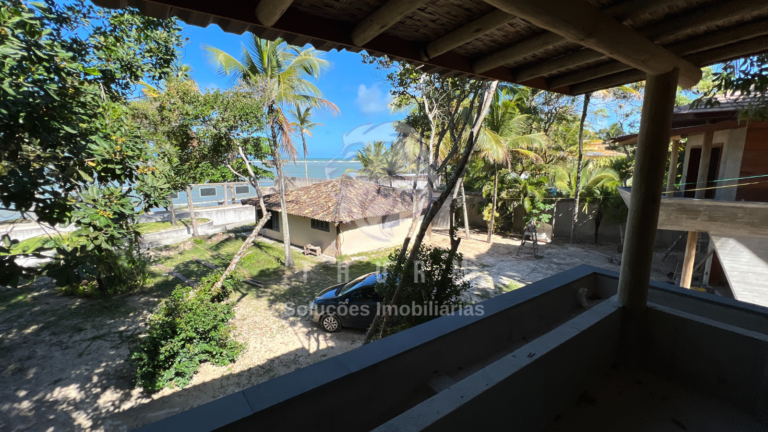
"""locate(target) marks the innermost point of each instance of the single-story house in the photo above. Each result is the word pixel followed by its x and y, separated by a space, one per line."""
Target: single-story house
pixel 343 215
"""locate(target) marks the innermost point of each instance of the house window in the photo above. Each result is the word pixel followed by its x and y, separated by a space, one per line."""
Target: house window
pixel 320 225
pixel 173 196
pixel 273 223
pixel 209 191
pixel 240 190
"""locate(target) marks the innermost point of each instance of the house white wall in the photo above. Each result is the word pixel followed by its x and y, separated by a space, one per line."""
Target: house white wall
pixel 303 233
pixel 357 236
pixel 368 234
pixel 732 142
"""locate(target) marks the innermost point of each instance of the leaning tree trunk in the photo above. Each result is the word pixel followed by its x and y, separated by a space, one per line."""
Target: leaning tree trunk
pixel 243 249
pixel 191 211
pixel 172 209
pixel 434 208
pixel 281 189
pixel 493 206
pixel 578 166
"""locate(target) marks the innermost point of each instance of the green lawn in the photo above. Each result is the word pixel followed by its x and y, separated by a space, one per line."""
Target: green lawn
pixel 30 244
pixel 264 262
pixel 151 227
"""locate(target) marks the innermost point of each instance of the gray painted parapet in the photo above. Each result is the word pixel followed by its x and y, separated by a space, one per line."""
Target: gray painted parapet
pixel 378 383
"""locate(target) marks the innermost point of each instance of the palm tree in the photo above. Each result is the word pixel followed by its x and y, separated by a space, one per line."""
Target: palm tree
pixel 284 71
pixel 625 90
pixel 596 183
pixel 373 159
pixel 500 140
pixel 304 126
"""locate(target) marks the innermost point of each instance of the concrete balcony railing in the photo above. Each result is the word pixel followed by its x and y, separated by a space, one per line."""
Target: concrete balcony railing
pixel 724 218
pixel 536 359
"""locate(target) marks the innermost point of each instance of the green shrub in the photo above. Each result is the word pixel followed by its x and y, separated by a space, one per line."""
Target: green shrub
pixel 442 285
pixel 191 327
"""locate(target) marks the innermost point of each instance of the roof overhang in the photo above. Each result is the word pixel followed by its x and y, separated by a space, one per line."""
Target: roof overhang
pixel 683 132
pixel 567 46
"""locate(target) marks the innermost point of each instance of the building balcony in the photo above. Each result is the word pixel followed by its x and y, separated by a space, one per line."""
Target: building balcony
pixel 543 357
pixel 719 218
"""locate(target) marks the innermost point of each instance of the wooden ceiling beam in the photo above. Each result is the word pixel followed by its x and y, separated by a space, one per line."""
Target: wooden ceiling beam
pixel 708 15
pixel 269 11
pixel 704 58
pixel 466 33
pixel 621 12
pixel 690 46
pixel 383 18
pixel 586 25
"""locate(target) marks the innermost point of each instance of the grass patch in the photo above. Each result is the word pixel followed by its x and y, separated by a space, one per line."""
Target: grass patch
pixel 31 244
pixel 511 286
pixel 152 227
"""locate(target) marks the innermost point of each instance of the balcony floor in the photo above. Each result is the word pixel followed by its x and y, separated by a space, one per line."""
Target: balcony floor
pixel 634 400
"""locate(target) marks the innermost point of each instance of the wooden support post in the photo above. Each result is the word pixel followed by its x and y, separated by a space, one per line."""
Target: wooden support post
pixel 650 161
pixel 690 255
pixel 338 240
pixel 672 174
pixel 706 155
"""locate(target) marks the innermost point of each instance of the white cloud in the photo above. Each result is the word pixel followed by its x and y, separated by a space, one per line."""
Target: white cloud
pixel 372 99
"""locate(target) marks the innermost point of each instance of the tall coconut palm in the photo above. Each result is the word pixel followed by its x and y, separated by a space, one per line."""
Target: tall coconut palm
pixel 303 125
pixel 284 71
pixel 500 141
pixel 622 90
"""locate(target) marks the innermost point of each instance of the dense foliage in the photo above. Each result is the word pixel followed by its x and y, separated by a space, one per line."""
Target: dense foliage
pixel 437 279
pixel 67 142
pixel 190 328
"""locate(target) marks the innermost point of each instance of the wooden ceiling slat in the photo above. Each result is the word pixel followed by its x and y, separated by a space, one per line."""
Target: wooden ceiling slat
pixel 706 42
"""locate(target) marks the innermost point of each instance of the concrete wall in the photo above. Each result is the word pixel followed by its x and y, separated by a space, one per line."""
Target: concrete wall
pixel 29 230
pixel 177 235
pixel 365 387
pixel 221 215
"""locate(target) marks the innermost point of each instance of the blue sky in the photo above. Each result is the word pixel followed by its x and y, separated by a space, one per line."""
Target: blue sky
pixel 356 88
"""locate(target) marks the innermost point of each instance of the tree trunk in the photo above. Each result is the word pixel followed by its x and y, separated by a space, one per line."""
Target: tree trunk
pixel 254 180
pixel 578 166
pixel 306 168
pixel 464 207
pixel 243 249
pixel 434 208
pixel 191 211
pixel 172 209
pixel 493 206
pixel 281 188
pixel 598 219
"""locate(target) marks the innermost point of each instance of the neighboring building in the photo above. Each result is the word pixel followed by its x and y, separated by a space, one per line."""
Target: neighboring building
pixel 600 150
pixel 725 171
pixel 341 216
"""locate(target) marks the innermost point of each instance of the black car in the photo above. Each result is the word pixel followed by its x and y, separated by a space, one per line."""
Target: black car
pixel 352 304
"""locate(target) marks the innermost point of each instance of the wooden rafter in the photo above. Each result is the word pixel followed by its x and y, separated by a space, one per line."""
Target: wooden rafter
pixel 704 58
pixel 581 22
pixel 269 11
pixel 709 15
pixel 621 12
pixel 690 46
pixel 383 18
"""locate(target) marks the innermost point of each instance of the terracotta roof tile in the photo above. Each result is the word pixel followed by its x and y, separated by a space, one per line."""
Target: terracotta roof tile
pixel 341 200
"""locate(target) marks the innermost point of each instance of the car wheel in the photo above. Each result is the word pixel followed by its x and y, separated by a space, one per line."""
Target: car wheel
pixel 330 323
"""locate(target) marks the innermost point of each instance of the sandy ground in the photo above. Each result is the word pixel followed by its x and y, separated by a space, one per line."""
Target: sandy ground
pixel 493 266
pixel 64 366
